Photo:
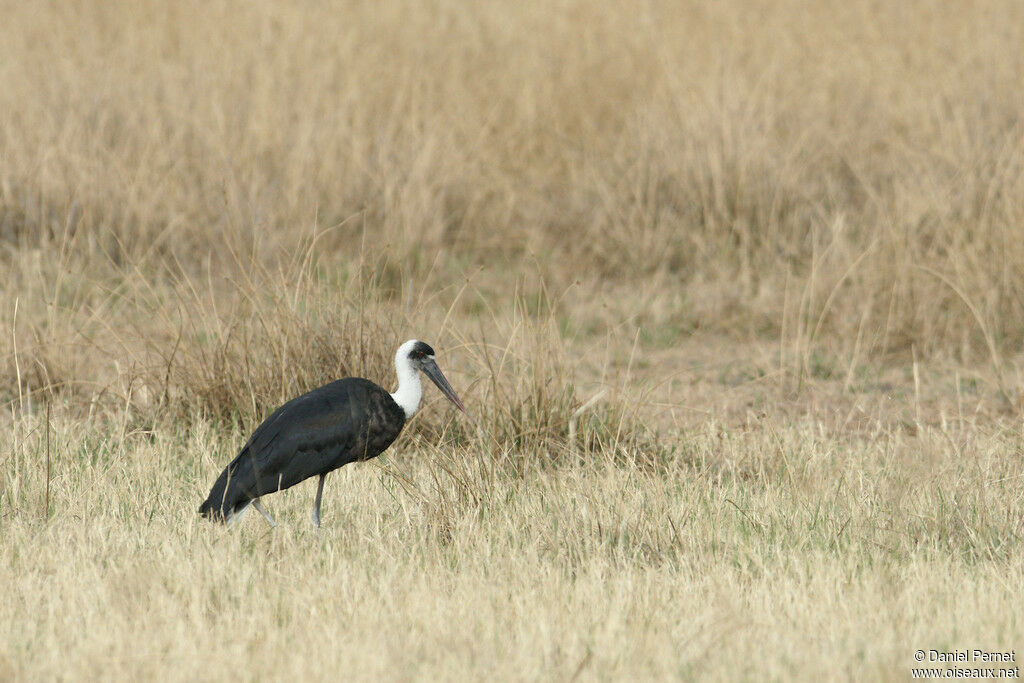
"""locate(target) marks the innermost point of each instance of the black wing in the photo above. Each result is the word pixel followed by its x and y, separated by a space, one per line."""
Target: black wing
pixel 347 420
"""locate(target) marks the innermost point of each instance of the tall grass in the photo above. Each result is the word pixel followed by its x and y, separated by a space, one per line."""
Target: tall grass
pixel 732 153
pixel 732 291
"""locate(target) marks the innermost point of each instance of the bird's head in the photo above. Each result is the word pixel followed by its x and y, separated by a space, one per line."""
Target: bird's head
pixel 420 356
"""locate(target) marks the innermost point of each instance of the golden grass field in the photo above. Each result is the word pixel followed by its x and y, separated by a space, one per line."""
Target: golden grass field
pixel 734 290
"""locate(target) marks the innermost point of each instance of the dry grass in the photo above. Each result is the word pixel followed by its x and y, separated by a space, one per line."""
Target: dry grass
pixel 749 555
pixel 778 241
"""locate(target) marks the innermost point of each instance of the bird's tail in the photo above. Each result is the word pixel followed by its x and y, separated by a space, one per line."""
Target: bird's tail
pixel 225 501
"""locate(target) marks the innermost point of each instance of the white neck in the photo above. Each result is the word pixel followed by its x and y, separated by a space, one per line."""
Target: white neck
pixel 410 390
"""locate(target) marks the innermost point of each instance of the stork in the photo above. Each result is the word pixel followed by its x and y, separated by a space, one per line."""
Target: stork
pixel 345 421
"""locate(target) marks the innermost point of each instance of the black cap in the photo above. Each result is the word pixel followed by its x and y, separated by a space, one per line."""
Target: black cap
pixel 419 350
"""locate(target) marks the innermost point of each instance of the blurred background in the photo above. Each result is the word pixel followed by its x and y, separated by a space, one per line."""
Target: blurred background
pixel 193 191
pixel 734 289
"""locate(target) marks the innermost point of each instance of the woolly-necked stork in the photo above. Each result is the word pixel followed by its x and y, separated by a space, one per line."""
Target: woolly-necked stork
pixel 347 420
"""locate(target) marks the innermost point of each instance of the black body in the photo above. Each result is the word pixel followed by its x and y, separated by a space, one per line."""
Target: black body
pixel 347 420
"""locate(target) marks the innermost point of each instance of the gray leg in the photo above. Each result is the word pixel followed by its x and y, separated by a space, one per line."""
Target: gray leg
pixel 316 505
pixel 256 504
pixel 234 517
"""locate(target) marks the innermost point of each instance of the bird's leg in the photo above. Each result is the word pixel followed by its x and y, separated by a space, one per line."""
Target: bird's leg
pixel 316 505
pixel 256 504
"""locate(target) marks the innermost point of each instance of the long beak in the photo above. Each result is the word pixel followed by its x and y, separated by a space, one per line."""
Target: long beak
pixel 436 376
